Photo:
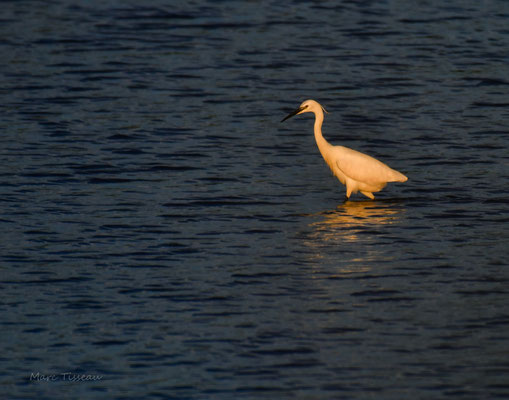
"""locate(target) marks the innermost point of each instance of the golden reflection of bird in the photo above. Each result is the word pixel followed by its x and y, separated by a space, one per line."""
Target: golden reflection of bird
pixel 352 222
pixel 356 170
pixel 345 222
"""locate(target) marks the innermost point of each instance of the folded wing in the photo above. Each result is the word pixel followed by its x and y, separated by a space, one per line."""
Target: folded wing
pixel 364 168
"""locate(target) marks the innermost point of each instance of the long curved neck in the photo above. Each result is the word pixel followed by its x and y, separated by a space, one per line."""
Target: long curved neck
pixel 322 144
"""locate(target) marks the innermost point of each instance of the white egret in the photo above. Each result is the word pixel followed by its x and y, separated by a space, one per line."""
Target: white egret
pixel 356 170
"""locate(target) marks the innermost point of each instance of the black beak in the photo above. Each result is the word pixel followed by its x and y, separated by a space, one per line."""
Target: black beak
pixel 298 110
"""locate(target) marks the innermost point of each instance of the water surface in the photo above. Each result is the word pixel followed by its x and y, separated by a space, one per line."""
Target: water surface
pixel 163 232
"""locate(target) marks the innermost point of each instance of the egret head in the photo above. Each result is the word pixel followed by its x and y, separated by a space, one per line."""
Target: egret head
pixel 306 106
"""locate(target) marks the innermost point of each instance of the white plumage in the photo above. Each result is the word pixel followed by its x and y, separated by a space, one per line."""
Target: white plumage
pixel 356 170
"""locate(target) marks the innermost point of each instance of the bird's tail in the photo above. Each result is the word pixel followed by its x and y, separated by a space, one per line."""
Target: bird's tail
pixel 398 177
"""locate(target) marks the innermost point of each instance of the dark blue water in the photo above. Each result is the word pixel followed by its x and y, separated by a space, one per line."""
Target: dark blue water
pixel 163 235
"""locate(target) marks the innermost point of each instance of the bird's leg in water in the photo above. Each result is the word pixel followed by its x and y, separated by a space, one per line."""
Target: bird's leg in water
pixel 346 199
